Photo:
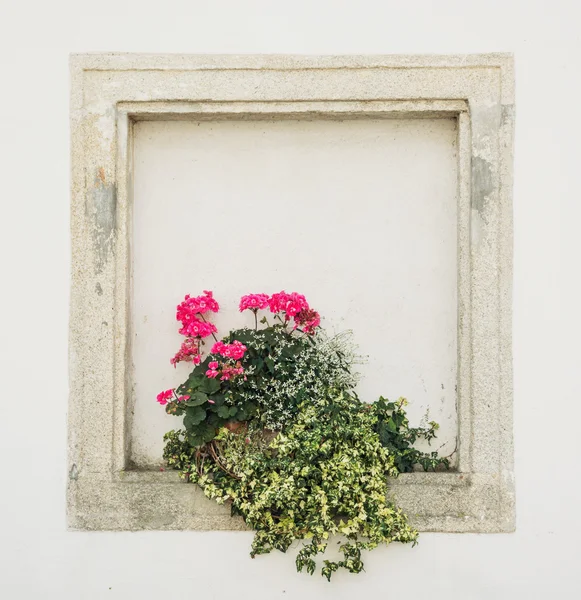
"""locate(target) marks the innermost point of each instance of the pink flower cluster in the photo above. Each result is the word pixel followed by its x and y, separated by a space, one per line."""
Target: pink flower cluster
pixel 191 312
pixel 197 305
pixel 308 319
pixel 235 350
pixel 164 397
pixel 227 372
pixel 293 306
pixel 188 352
pixel 188 311
pixel 290 304
pixel 253 302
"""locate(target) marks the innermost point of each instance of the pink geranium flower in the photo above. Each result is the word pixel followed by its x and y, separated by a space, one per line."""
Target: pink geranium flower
pixel 188 352
pixel 253 302
pixel 196 305
pixel 277 302
pixel 290 304
pixel 307 319
pixel 163 397
pixel 228 372
pixel 187 313
pixel 235 350
pixel 190 312
pixel 196 328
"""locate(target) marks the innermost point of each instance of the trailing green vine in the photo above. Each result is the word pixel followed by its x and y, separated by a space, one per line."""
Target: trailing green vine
pixel 273 428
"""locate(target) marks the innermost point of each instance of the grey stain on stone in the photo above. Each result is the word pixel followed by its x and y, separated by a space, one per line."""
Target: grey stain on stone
pixel 507 114
pixel 101 208
pixel 99 289
pixel 482 182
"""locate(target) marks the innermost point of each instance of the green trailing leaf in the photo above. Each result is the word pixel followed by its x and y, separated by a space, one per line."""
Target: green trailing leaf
pixel 321 476
pixel 224 412
pixel 209 386
pixel 197 399
pixel 194 416
pixel 294 452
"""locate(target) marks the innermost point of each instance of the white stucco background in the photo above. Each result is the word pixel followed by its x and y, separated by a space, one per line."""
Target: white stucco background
pixel 358 215
pixel 38 557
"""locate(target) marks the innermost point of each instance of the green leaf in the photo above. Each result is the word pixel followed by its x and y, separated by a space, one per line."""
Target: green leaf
pixel 224 411
pixel 218 399
pixel 195 440
pixel 194 416
pixel 209 386
pixel 213 419
pixel 284 485
pixel 197 399
pixel 206 432
pixel 192 382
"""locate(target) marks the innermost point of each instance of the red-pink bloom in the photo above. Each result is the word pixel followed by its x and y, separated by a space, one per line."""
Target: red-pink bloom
pixel 307 319
pixel 253 302
pixel 229 372
pixel 196 305
pixel 183 398
pixel 290 304
pixel 187 313
pixel 188 352
pixel 218 348
pixel 277 302
pixel 226 371
pixel 235 350
pixel 163 397
pixel 195 328
pixel 295 304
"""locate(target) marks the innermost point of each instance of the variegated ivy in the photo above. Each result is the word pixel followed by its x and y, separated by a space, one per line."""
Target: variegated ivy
pixel 273 427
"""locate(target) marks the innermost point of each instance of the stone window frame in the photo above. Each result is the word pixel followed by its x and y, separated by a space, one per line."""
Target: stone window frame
pixel 110 92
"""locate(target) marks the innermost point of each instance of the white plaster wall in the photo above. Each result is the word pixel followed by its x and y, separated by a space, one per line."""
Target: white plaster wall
pixel 39 559
pixel 358 215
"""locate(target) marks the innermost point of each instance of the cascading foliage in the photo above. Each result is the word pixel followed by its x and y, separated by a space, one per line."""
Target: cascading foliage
pixel 272 426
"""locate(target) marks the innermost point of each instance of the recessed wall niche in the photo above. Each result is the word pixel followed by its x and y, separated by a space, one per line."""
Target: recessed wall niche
pixel 360 215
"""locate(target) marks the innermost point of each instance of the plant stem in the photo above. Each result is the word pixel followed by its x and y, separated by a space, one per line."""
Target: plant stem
pixel 212 450
pixel 283 323
pixel 215 338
